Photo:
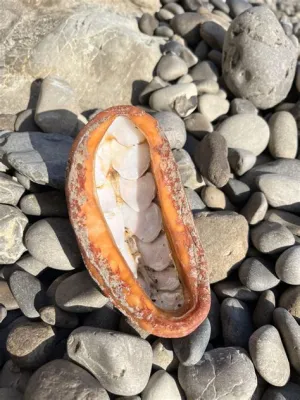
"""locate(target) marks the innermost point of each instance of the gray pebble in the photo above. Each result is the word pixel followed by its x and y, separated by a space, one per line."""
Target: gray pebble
pixel 194 200
pixel 148 24
pixel 27 183
pixel 172 127
pixel 214 198
pixel 6 297
pixel 290 391
pixel 213 34
pixel 54 285
pixel 11 376
pixel 291 221
pixel 129 327
pixel 78 293
pixel 10 190
pixel 155 84
pixel 187 26
pixel 219 4
pixel 30 264
pixel 237 191
pixel 190 349
pixel 216 57
pixel 122 363
pixel 258 274
pixel 175 48
pixel 263 312
pixel 271 237
pixel 10 394
pixel 269 356
pixel 245 131
pixel 264 71
pixel 255 209
pixel 198 125
pixel 161 385
pixel 3 313
pixel 287 266
pixel 25 121
pixel 52 241
pixel 283 135
pixel 214 316
pixel 222 372
pixel 211 159
pixel 238 6
pixel 54 316
pixel 188 174
pixel 241 160
pixel 164 356
pixel 236 322
pixel 208 86
pixel 185 79
pixel 65 380
pixel 164 31
pixel 47 204
pixel 164 15
pixel 242 106
pixel 205 70
pixel 174 8
pixel 212 107
pixel 171 67
pixel 235 290
pixel 290 300
pixel 201 51
pixel 7 122
pixel 106 317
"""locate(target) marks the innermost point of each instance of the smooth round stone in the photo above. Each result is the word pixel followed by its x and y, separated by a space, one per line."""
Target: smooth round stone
pixel 201 51
pixel 184 106
pixel 283 135
pixel 121 363
pixel 241 160
pixel 211 159
pixel 290 391
pixel 174 47
pixel 220 5
pixel 172 127
pixel 7 122
pixel 164 15
pixel 287 266
pixel 198 125
pixel 242 106
pixel 255 209
pixel 214 316
pixel 171 67
pixel 264 71
pixel 263 312
pixel 208 86
pixel 216 57
pixel 3 313
pixel 27 183
pixel 245 131
pixel 213 34
pixel 214 198
pixel 165 98
pixel 190 349
pixel 222 372
pixel 290 333
pixel 205 70
pixel 148 24
pixel 225 254
pixel 194 200
pixel 31 344
pixel 271 237
pixel 290 300
pixel 64 380
pixel 174 8
pixel 54 285
pixel 10 394
pixel 106 317
pixel 54 316
pixel 188 174
pixel 6 297
pixel 78 293
pixel 25 121
pixel 258 274
pixel 128 398
pixel 28 292
pixel 291 221
pixel 185 79
pixel 269 356
pixel 164 31
pixel 11 376
pixel 238 6
pixel 238 192
pixel 29 264
pixel 47 204
pixel 155 84
pixel 212 107
pixel 10 190
pixel 236 322
pixel 164 356
pixel 161 385
pixel 187 26
pixel 52 241
pixel 235 290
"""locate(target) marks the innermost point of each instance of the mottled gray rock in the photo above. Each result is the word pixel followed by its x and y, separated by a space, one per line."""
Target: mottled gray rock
pixel 245 131
pixel 187 26
pixel 238 6
pixel 212 106
pixel 161 385
pixel 65 380
pixel 164 30
pixel 235 290
pixel 290 300
pixel 236 322
pixel 263 312
pixel 188 174
pixel 222 372
pixel 106 317
pixel 172 127
pixel 6 297
pixel 10 190
pixel 214 198
pixel 213 34
pixel 78 293
pixel 171 67
pixel 53 315
pixel 3 313
pixel 238 192
pixel 122 363
pixel 30 264
pixel 258 274
pixel 194 200
pixel 264 71
pixel 7 122
pixel 242 106
pixel 155 84
pixel 283 135
pixel 211 159
pixel 214 316
pixel 225 254
pixel 290 391
pixel 11 376
pixel 209 86
pixel 52 241
pixel 216 57
pixel 47 204
pixel 204 70
pixel 12 225
pixel 190 349
pixel 164 356
pixel 10 394
pixel 174 47
pixel 198 125
pixel 271 237
pixel 54 285
pixel 255 209
pixel 287 266
pixel 25 121
pixel 291 221
pixel 241 160
pixel 27 183
pixel 148 24
pixel 269 356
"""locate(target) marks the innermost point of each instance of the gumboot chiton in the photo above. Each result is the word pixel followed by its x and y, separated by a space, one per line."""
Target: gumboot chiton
pixel 133 223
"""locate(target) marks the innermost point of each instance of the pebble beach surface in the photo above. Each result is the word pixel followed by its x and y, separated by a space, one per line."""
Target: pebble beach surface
pixel 223 81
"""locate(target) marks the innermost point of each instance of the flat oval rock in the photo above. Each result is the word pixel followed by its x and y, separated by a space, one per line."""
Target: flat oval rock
pixel 10 190
pixel 171 67
pixel 287 266
pixel 258 274
pixel 6 297
pixel 283 135
pixel 172 127
pixel 290 300
pixel 263 312
pixel 47 204
pixel 161 385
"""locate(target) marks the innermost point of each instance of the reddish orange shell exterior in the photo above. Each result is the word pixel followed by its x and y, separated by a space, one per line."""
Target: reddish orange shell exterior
pixel 101 256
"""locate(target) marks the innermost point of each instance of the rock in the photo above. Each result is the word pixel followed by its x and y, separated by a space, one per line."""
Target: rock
pixel 222 372
pixel 254 73
pixel 172 127
pixel 164 356
pixel 122 363
pixel 10 394
pixel 287 266
pixel 283 135
pixel 271 237
pixel 212 107
pixel 216 57
pixel 245 131
pixel 190 349
pixel 238 192
pixel 148 24
pixel 64 379
pixel 187 170
pixel 214 316
pixel 12 225
pixel 214 198
pixel 205 70
pixel 263 312
pixel 54 285
pixel 29 264
pixel 40 157
pixel 290 300
pixel 237 7
pixel 211 159
pixel 187 26
pixel 25 121
pixel 3 313
pixel 201 51
pixel 174 8
pixel 106 317
pixel 225 254
pixel 241 160
pixel 6 297
pixel 46 204
pixel 164 99
pixel 255 209
pixel 242 106
pixel 54 316
pixel 11 376
pixel 290 391
pixel 174 47
pixel 268 355
pixel 236 322
pixel 52 241
pixel 195 202
pixel 290 333
pixel 130 328
pixel 7 122
pixel 291 221
pixel 27 183
pixel 28 292
pixel 198 125
pixel 208 86
pixel 213 34
pixel 281 191
pixel 10 190
pixel 164 30
pixel 258 274
pixel 161 386
pixel 155 84
pixel 235 290
pixel 78 293
pixel 171 67
pixel 30 344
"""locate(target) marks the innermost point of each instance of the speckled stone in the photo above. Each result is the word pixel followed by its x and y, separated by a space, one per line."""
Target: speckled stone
pixel 171 67
pixel 287 266
pixel 6 297
pixel 241 160
pixel 47 204
pixel 258 274
pixel 172 127
pixel 283 135
pixel 291 221
pixel 198 125
pixel 161 385
pixel 235 290
pixel 290 391
pixel 255 209
pixel 290 300
pixel 164 356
